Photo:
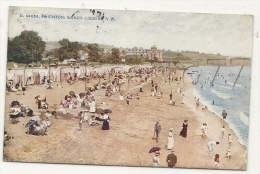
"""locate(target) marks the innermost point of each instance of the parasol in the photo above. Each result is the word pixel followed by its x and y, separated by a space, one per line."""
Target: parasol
pixel 154 149
pixel 15 103
pixel 72 93
pixel 107 111
pixel 99 110
pixel 30 123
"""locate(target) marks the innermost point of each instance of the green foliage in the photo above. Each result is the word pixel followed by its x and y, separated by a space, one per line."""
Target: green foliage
pixel 64 42
pixel 68 50
pixel 26 47
pixel 169 53
pixel 95 52
pixel 134 59
pixel 61 59
pixel 115 55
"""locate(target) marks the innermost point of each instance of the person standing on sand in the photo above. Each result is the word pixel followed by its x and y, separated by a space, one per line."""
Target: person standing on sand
pixel 80 124
pixel 156 160
pixel 92 108
pixel 184 130
pixel 156 88
pixel 182 98
pixel 170 96
pixel 216 160
pixel 170 139
pixel 140 88
pixel 224 114
pixel 153 91
pixel 222 131
pixel 204 128
pixel 127 102
pixel 210 146
pixel 179 90
pixel 171 159
pixel 157 130
pixel 106 119
pixel 229 139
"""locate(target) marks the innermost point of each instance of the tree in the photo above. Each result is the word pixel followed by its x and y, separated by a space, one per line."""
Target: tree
pixel 115 55
pixel 64 42
pixel 25 48
pixel 95 52
pixel 68 49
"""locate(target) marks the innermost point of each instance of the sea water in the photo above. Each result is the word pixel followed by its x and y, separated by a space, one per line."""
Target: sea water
pixel 223 88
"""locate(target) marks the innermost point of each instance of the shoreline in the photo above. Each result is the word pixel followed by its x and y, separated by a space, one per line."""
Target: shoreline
pixel 130 133
pixel 193 106
pixel 213 120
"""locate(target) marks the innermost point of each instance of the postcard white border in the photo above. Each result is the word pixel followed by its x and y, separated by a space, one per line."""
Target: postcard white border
pixel 210 6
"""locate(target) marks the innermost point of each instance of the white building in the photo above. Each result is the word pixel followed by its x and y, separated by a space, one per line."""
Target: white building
pixel 152 53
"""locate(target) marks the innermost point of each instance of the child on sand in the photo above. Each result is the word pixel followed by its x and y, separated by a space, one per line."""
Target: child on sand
pixel 156 160
pixel 210 146
pixel 228 154
pixel 229 139
pixel 216 160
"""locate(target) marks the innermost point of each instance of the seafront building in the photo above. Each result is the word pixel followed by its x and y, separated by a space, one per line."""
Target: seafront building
pixel 153 53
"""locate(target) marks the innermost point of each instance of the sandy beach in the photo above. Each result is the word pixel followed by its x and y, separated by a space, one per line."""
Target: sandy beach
pixel 131 129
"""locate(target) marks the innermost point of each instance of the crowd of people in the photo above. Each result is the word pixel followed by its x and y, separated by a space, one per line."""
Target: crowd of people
pixel 172 158
pixel 85 105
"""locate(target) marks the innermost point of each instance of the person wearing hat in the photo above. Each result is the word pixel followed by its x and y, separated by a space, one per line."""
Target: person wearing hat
pixel 170 139
pixel 157 130
pixel 184 130
pixel 171 159
pixel 156 160
pixel 105 125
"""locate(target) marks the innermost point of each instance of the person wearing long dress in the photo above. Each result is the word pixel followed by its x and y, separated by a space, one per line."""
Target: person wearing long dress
pixel 170 140
pixel 93 106
pixel 105 125
pixel 156 160
pixel 184 130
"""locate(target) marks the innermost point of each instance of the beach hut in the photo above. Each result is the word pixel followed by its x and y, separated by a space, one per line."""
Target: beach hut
pixel 72 61
pixel 65 62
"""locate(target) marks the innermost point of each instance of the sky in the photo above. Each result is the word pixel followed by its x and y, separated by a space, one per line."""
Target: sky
pixel 229 35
